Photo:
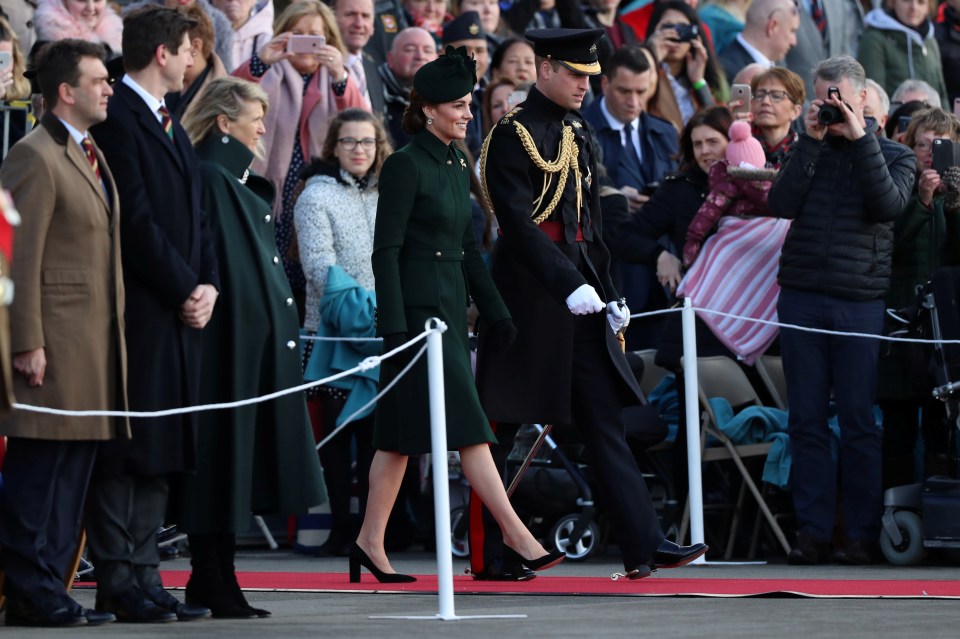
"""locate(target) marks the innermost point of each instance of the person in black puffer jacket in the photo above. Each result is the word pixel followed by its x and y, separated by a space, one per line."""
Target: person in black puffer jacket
pixel 843 187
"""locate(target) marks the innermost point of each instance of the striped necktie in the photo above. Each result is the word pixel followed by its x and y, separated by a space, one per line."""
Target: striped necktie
pixel 819 17
pixel 87 147
pixel 166 121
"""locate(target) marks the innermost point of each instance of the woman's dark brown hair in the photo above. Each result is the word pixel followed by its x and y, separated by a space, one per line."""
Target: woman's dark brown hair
pixel 414 119
pixel 718 118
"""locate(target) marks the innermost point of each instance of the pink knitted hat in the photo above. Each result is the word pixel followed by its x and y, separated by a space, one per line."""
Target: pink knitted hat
pixel 743 147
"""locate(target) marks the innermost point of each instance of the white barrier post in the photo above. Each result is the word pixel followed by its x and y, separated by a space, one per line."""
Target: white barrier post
pixel 691 390
pixel 441 485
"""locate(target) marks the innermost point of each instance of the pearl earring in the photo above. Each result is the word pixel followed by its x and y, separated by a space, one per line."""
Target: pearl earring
pixel 225 139
pixel 429 120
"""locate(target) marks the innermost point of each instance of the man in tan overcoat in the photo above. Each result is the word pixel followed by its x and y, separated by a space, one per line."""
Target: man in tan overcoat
pixel 67 335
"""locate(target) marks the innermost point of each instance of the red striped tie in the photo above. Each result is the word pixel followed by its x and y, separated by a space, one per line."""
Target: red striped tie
pixel 87 146
pixel 166 121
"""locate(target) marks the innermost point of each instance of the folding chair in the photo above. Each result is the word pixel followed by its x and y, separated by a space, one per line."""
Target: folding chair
pixel 770 369
pixel 720 376
pixel 652 374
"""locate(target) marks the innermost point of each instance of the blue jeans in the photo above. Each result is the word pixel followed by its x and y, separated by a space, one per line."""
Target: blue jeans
pixel 813 365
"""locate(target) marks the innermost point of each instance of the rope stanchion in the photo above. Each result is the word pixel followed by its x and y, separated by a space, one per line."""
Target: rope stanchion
pixel 692 402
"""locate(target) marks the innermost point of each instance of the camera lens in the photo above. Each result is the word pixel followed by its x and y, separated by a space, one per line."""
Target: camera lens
pixel 829 114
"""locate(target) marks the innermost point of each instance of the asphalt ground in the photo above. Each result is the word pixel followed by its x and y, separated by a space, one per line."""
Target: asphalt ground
pixel 349 614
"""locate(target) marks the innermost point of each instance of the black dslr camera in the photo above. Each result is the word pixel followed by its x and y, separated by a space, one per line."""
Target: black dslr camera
pixel 686 32
pixel 828 113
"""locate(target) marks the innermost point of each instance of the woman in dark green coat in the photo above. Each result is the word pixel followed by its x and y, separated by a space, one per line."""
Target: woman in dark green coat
pixel 259 458
pixel 426 264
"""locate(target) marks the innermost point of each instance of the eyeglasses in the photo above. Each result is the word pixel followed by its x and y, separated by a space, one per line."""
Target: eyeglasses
pixel 775 96
pixel 922 145
pixel 351 143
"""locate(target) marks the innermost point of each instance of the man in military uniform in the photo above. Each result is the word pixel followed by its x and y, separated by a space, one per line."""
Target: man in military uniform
pixel 539 171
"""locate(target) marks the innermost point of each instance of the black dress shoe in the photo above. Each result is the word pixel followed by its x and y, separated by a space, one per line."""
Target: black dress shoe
pixel 134 607
pixel 857 552
pixel 46 611
pixel 184 612
pixel 640 572
pixel 809 551
pixel 503 570
pixel 93 617
pixel 670 555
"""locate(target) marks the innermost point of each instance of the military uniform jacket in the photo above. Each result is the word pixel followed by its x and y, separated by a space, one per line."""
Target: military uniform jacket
pixel 426 264
pixel 535 274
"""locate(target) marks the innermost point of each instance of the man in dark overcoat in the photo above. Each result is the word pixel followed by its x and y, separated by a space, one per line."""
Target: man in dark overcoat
pixel 67 335
pixel 539 171
pixel 170 272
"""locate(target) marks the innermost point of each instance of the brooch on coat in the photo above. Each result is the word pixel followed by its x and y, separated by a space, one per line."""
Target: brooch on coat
pixel 463 165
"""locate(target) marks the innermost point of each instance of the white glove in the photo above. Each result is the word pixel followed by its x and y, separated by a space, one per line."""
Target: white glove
pixel 619 317
pixel 584 301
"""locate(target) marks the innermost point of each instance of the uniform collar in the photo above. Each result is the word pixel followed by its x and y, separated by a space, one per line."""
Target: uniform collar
pixel 433 145
pixel 539 102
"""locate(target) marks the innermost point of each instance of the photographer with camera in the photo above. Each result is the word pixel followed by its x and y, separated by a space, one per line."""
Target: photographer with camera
pixel 689 74
pixel 843 187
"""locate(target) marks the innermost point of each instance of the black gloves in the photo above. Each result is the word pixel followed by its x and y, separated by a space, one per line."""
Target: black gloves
pixel 501 334
pixel 402 358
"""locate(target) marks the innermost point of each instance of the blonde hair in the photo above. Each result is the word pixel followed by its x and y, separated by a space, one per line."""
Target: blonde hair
pixel 224 96
pixel 20 89
pixel 302 8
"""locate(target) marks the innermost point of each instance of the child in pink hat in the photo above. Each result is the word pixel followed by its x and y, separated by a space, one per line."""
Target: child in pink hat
pixel 739 185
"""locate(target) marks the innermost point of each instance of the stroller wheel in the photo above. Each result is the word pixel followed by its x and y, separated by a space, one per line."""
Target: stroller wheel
pixel 459 535
pixel 910 551
pixel 584 547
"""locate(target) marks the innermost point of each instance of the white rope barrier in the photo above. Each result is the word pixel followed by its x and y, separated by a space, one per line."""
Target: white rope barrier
pixel 797 327
pixel 368 363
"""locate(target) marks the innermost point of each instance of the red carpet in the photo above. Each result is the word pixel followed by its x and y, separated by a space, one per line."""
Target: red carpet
pixel 653 586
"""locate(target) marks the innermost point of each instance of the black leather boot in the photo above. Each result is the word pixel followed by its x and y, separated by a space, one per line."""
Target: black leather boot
pixel 227 547
pixel 206 586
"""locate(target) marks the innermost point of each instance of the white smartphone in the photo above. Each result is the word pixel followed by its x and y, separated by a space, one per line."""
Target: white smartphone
pixel 305 43
pixel 6 60
pixel 742 93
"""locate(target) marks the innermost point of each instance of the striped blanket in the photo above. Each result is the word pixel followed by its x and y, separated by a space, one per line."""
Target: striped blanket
pixel 736 273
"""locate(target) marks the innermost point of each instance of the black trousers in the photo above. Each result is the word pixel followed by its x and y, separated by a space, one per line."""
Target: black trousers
pixel 597 413
pixel 45 483
pixel 123 514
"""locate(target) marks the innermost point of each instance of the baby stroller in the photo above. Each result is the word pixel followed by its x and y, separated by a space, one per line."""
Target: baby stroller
pixel 927 515
pixel 553 483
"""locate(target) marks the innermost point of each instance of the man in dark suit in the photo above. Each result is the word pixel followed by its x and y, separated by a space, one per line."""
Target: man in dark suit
pixel 67 335
pixel 769 33
pixel 355 20
pixel 170 272
pixel 638 148
pixel 552 269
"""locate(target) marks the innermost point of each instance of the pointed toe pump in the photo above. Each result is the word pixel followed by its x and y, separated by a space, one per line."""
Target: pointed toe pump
pixel 359 558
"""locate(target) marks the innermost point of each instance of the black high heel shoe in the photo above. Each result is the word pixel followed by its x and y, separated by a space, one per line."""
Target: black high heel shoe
pixel 359 558
pixel 549 560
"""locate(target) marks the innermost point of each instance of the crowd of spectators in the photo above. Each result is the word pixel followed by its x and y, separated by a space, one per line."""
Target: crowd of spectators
pixel 660 113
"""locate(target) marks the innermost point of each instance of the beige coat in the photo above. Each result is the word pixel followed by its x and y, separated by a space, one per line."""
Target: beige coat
pixel 68 295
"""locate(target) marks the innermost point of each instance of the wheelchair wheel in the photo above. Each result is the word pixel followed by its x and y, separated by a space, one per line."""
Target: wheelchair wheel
pixel 910 551
pixel 586 546
pixel 459 544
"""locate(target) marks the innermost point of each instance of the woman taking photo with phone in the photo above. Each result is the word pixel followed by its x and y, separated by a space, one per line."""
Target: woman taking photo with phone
pixel 926 237
pixel 425 259
pixel 305 90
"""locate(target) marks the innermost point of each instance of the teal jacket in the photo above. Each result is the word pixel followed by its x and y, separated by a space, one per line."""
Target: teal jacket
pixel 346 310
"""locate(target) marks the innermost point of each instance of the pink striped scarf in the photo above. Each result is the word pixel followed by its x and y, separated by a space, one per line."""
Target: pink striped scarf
pixel 736 273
